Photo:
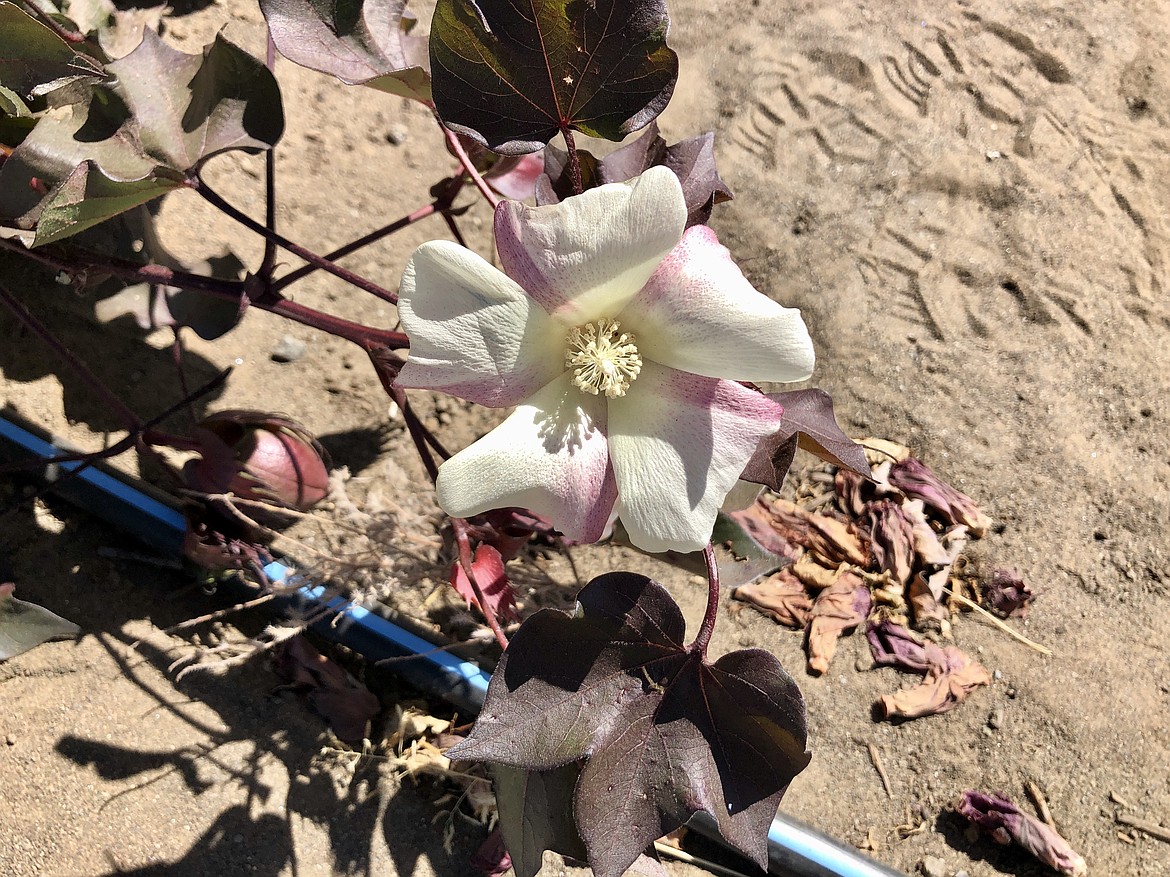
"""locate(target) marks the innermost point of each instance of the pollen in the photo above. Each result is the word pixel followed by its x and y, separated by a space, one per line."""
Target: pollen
pixel 604 359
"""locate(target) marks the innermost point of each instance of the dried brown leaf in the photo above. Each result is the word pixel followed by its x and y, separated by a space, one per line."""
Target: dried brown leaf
pixel 951 677
pixel 834 540
pixel 837 610
pixel 781 596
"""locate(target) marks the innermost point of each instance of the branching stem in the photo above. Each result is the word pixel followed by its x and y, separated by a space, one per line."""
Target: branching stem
pixel 212 197
pixel 468 165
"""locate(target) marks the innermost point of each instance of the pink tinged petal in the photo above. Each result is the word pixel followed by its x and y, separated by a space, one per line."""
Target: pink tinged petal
pixel 586 257
pixel 698 313
pixel 549 456
pixel 473 332
pixel 678 443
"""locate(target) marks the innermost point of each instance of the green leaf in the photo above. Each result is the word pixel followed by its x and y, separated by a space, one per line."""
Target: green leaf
pixel 32 56
pixel 87 197
pixel 359 42
pixel 11 104
pixel 513 74
pixel 26 625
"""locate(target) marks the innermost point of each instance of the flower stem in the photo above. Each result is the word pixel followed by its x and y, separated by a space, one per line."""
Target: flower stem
pixel 269 260
pixel 468 165
pixel 708 626
pixel 345 274
pixel 574 162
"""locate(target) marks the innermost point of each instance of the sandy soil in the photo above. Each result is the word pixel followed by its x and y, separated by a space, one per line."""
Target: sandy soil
pixel 968 202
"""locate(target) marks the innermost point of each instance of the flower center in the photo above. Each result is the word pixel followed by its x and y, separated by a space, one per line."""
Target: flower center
pixel 604 359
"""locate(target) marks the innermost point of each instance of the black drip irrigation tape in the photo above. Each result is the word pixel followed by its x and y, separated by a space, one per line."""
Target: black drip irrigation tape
pixel 794 849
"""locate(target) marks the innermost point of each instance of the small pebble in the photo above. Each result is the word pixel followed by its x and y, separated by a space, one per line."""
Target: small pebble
pixel 396 135
pixel 961 874
pixel 10 739
pixel 863 664
pixel 288 349
pixel 933 866
pixel 995 720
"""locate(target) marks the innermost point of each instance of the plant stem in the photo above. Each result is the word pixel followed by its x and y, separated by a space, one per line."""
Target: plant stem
pixel 18 310
pixel 434 207
pixel 708 626
pixel 463 542
pixel 468 164
pixel 359 334
pixel 574 162
pixel 48 21
pixel 269 260
pixel 308 255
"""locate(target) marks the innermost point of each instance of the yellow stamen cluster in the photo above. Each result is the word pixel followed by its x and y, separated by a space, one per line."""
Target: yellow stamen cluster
pixel 604 359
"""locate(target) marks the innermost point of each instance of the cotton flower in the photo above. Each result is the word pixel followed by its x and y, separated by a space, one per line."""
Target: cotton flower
pixel 620 339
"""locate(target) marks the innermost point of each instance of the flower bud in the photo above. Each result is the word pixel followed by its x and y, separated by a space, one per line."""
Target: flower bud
pixel 261 457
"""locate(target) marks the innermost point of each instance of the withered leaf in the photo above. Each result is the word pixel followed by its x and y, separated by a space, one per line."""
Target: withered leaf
pixel 838 609
pixel 666 733
pixel 915 479
pixel 492 578
pixel 1006 822
pixel 891 539
pixel 950 674
pixel 781 596
pixel 344 702
pixel 832 539
pixel 1008 594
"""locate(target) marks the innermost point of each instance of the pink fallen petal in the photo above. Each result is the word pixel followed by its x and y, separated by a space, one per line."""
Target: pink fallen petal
pixel 488 568
pixel 838 609
pixel 1006 823
pixel 915 479
pixel 1008 594
pixel 781 596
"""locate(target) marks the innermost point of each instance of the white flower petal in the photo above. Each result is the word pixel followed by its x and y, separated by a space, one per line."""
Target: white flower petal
pixel 678 443
pixel 698 313
pixel 549 456
pixel 473 331
pixel 586 257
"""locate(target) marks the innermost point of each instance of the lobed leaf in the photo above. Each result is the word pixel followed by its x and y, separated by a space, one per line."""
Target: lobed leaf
pixel 24 625
pixel 366 42
pixel 33 58
pixel 666 733
pixel 164 114
pixel 514 73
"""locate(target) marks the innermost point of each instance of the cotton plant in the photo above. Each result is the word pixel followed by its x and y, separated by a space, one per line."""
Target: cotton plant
pixel 619 334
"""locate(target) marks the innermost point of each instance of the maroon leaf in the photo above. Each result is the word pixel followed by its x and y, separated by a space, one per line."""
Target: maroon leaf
pixel 809 418
pixel 1005 822
pixel 513 75
pixel 667 734
pixel 488 568
pixel 358 41
pixel 693 162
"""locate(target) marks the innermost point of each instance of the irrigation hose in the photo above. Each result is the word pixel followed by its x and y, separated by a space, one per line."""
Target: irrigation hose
pixel 794 849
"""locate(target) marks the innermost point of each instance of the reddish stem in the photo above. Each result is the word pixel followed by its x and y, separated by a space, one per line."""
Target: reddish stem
pixel 708 626
pixel 463 543
pixel 468 165
pixel 574 162
pixel 296 249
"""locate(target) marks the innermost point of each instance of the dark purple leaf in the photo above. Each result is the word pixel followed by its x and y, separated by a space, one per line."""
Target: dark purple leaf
pixel 809 418
pixel 693 162
pixel 359 41
pixel 536 814
pixel 666 734
pixel 160 117
pixel 1005 822
pixel 512 75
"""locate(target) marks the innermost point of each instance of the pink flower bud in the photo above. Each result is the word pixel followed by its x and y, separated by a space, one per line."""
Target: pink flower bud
pixel 261 457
